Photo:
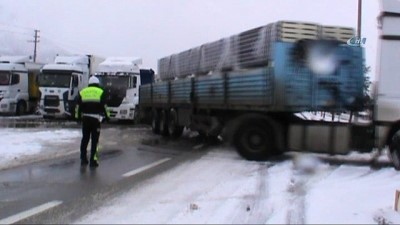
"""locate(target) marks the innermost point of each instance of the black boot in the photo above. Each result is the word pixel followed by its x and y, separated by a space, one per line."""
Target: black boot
pixel 93 164
pixel 84 162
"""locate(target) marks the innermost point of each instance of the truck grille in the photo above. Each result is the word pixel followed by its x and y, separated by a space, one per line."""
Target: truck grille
pixel 51 100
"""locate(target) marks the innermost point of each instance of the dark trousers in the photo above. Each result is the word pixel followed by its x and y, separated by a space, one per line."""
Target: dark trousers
pixel 90 129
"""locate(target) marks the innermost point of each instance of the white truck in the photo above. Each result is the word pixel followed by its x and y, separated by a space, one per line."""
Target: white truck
pixel 121 77
pixel 61 81
pixel 19 89
pixel 386 115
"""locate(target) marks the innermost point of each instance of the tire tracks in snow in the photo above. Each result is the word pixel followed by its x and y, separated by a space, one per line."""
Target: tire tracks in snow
pixel 301 182
pixel 257 205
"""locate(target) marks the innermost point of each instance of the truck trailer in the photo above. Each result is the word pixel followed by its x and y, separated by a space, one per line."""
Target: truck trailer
pixel 61 81
pixel 19 88
pixel 250 87
pixel 121 77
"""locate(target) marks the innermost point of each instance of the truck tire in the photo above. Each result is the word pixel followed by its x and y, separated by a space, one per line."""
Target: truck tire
pixel 155 122
pixel 164 123
pixel 174 129
pixel 21 108
pixel 394 148
pixel 254 140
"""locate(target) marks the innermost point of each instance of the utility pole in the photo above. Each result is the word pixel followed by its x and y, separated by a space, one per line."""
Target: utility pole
pixel 35 41
pixel 359 19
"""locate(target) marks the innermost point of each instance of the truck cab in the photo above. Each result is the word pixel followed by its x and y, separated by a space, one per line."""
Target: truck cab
pixel 121 77
pixel 60 83
pixel 19 89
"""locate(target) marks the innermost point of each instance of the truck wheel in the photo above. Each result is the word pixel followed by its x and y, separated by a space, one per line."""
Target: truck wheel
pixel 164 123
pixel 155 122
pixel 21 108
pixel 254 140
pixel 394 148
pixel 174 129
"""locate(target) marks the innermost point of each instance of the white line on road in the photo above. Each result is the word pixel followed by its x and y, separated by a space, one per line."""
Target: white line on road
pixel 30 212
pixel 141 169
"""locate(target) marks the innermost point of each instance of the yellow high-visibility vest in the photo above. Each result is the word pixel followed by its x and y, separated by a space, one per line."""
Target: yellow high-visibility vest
pixel 91 94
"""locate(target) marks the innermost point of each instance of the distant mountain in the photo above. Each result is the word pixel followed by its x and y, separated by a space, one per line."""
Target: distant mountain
pixel 12 44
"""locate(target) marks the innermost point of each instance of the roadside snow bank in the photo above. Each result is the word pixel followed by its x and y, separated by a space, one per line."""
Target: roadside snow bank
pixel 20 146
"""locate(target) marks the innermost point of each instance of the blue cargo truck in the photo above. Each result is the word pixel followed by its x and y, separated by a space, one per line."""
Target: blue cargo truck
pixel 250 87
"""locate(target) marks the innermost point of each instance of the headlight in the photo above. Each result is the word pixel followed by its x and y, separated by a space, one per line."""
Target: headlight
pixel 322 58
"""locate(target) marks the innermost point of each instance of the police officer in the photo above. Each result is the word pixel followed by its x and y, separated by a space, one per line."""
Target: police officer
pixel 91 110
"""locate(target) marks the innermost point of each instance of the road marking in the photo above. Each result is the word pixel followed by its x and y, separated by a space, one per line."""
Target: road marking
pixel 30 212
pixel 141 169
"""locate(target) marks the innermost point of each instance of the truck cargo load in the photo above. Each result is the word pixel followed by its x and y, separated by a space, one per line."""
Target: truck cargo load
pixel 248 49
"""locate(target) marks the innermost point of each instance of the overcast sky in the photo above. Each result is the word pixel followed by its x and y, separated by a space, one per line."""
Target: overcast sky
pixel 152 29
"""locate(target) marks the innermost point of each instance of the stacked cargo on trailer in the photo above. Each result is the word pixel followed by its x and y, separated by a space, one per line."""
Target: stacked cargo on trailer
pixel 121 77
pixel 19 88
pixel 249 87
pixel 61 81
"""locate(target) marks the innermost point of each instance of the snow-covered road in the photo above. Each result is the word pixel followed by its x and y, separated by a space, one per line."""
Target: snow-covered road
pixel 221 187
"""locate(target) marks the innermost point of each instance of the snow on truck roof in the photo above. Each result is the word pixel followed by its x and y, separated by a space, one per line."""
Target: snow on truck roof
pixel 390 6
pixel 19 63
pixel 73 63
pixel 122 61
pixel 120 64
pixel 71 60
pixel 62 67
pixel 15 59
pixel 12 66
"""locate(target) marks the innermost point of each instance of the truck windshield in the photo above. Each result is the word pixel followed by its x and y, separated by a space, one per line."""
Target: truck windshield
pixel 116 82
pixel 115 88
pixel 4 78
pixel 55 80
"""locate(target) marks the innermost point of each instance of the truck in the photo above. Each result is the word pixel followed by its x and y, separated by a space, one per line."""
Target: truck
pixel 61 81
pixel 121 77
pixel 250 88
pixel 19 88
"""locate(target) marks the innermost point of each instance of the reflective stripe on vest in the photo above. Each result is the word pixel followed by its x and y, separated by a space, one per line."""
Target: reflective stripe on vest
pixel 91 94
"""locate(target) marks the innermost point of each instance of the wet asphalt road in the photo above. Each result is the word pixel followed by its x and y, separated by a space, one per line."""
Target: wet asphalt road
pixel 72 191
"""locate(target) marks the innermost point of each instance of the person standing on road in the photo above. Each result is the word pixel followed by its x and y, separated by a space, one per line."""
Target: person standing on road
pixel 91 110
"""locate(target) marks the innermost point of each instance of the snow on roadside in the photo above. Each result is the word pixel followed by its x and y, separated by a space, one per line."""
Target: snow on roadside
pixel 19 146
pixel 354 195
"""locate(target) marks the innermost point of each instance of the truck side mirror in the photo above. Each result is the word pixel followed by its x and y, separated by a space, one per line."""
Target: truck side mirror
pixel 75 81
pixel 134 82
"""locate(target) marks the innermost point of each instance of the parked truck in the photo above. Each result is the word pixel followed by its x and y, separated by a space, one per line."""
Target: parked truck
pixel 248 88
pixel 61 81
pixel 121 77
pixel 19 88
